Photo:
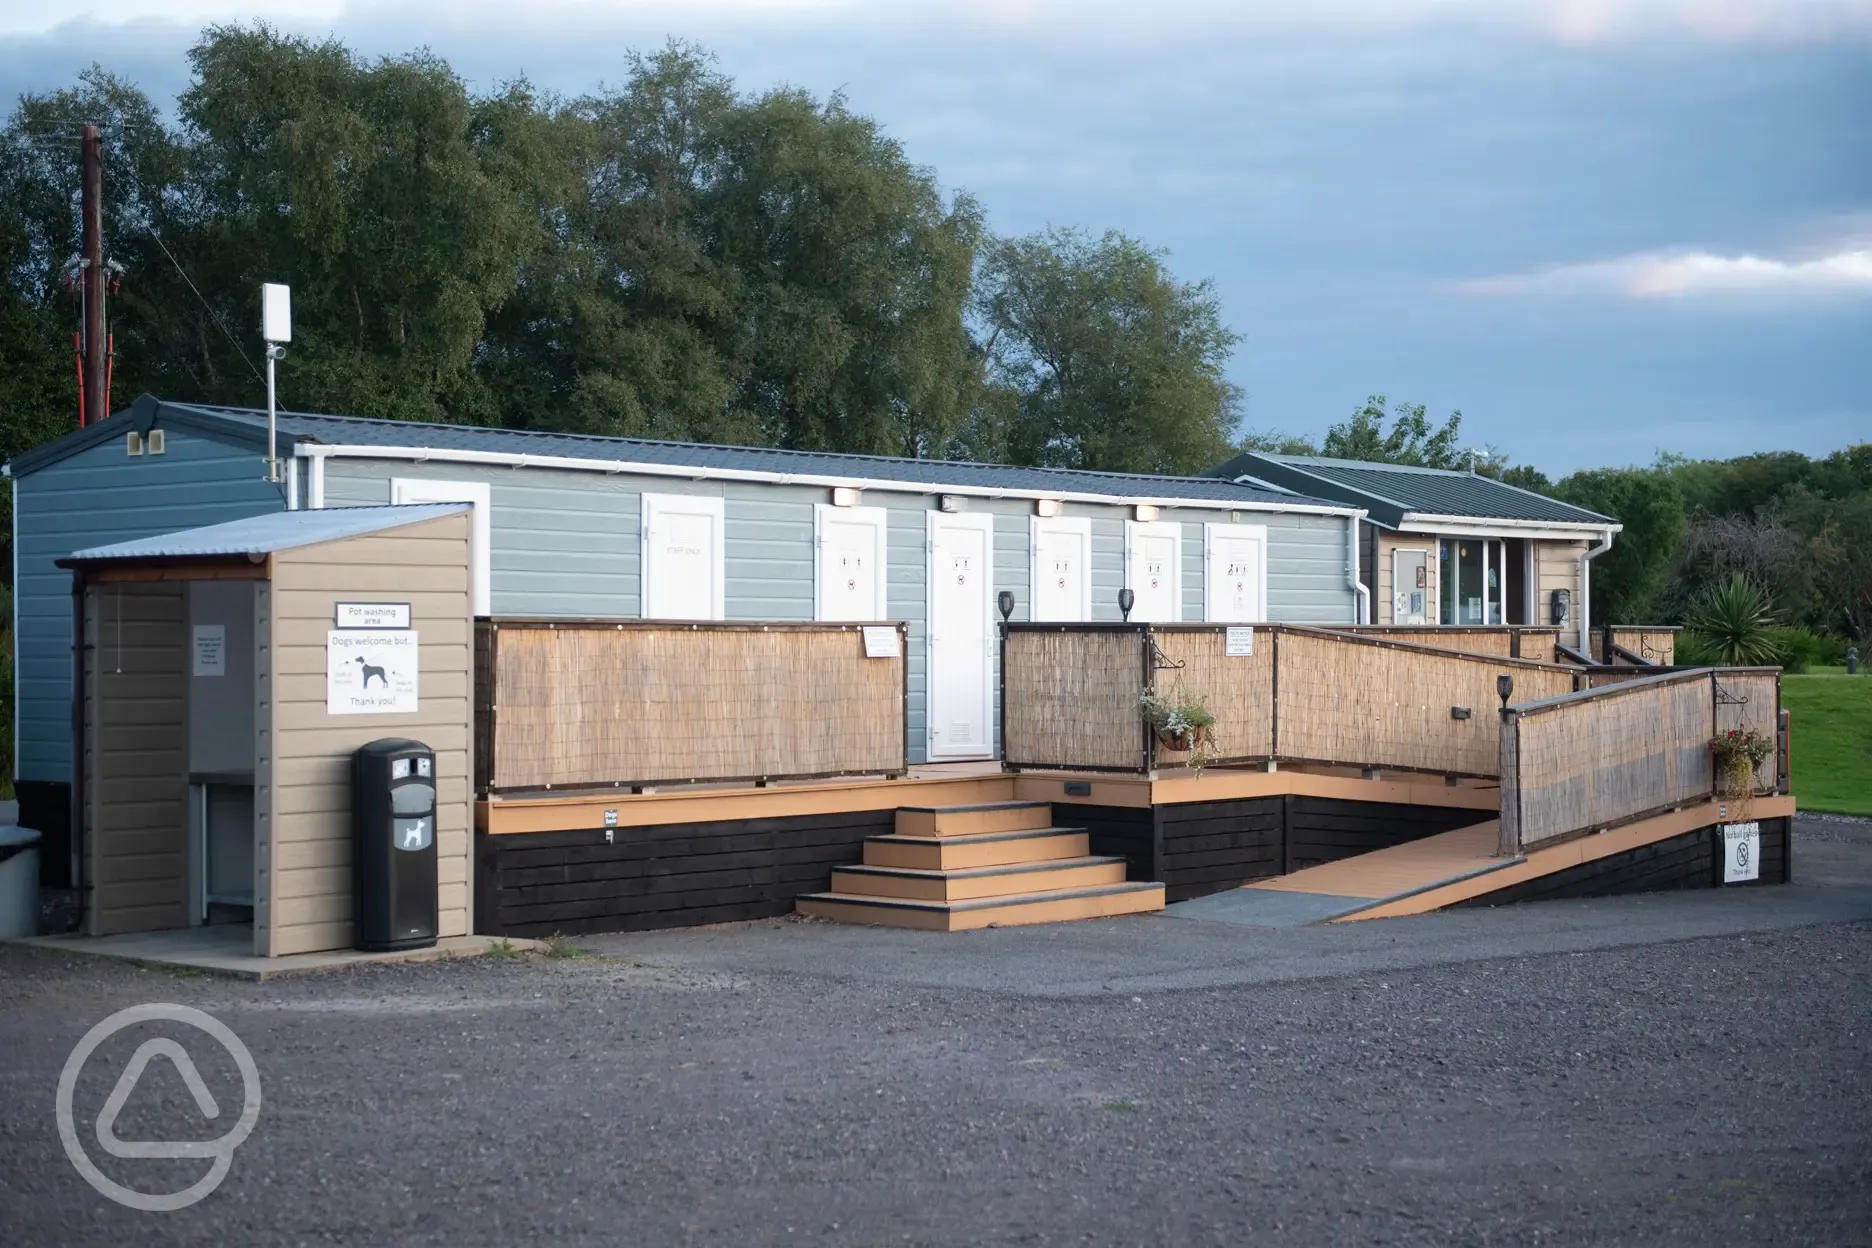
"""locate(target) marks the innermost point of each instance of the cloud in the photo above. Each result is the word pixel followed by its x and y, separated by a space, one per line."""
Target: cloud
pixel 1690 274
pixel 1572 22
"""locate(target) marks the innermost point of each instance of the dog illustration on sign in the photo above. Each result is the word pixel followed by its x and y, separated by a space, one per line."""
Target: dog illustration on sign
pixel 370 670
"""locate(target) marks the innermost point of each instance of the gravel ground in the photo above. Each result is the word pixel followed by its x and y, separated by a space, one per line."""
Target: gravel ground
pixel 1706 1091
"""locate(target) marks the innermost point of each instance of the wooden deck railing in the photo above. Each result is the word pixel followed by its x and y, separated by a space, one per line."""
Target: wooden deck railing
pixel 591 704
pixel 1604 756
pixel 1655 644
pixel 1323 696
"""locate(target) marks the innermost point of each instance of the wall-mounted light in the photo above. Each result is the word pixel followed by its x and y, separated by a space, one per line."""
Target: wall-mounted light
pixel 949 502
pixel 1126 600
pixel 1146 513
pixel 846 496
pixel 1005 601
pixel 1047 507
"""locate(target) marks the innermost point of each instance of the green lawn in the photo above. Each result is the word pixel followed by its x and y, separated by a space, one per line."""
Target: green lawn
pixel 1832 730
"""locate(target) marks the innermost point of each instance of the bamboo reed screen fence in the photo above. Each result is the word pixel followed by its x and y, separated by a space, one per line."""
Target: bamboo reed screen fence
pixel 1508 641
pixel 1070 697
pixel 1605 756
pixel 584 704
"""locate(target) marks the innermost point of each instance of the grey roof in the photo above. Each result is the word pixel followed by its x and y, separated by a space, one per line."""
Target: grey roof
pixel 249 426
pixel 260 535
pixel 1391 491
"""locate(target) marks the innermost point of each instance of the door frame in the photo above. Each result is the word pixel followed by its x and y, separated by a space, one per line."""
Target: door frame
pixel 879 518
pixel 983 522
pixel 1080 526
pixel 1173 529
pixel 1256 533
pixel 710 503
pixel 1430 594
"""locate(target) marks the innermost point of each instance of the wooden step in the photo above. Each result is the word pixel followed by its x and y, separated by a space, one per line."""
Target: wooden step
pixel 969 820
pixel 980 849
pixel 1051 875
pixel 1062 906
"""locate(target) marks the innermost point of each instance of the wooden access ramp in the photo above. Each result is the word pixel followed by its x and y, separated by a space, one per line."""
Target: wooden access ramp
pixel 990 864
pixel 1444 870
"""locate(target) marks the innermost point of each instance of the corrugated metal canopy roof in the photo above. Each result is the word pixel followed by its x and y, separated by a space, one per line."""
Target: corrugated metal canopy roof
pixel 1428 491
pixel 936 474
pixel 260 535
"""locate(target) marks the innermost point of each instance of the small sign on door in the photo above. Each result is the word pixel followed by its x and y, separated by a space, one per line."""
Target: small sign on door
pixel 370 671
pixel 1741 851
pixel 210 650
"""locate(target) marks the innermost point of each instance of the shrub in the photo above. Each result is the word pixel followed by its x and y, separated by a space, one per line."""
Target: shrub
pixel 1736 622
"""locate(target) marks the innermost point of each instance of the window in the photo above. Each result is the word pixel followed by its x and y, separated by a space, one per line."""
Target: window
pixel 1472 580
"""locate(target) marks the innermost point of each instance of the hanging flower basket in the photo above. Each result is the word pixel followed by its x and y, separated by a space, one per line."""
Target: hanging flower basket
pixel 1181 739
pixel 1180 722
pixel 1736 753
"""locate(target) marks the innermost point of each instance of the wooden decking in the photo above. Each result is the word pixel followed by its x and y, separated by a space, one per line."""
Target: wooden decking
pixel 1401 869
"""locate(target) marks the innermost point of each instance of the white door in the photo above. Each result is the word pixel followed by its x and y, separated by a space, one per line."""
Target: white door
pixel 682 558
pixel 415 490
pixel 1062 569
pixel 850 573
pixel 958 712
pixel 1154 570
pixel 1235 573
pixel 1410 587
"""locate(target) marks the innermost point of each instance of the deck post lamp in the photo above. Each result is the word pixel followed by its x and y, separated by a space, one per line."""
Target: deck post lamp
pixel 1126 600
pixel 1005 601
pixel 1504 689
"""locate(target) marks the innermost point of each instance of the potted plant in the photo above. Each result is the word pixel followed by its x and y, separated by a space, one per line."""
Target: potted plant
pixel 1181 722
pixel 1737 752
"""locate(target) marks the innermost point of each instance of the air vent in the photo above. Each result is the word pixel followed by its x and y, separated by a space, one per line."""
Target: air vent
pixel 156 443
pixel 133 443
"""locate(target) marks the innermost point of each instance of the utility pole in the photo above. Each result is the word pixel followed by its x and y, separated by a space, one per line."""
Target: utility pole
pixel 94 382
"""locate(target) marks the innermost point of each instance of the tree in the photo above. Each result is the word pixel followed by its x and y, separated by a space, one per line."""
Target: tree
pixel 1117 365
pixel 1410 440
pixel 1629 580
pixel 1274 442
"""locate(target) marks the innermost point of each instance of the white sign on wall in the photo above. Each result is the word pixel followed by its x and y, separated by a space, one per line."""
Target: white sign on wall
pixel 880 641
pixel 370 671
pixel 1238 643
pixel 372 615
pixel 1741 850
pixel 210 650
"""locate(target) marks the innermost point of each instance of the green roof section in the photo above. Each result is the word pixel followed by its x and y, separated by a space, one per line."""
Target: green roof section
pixel 1390 492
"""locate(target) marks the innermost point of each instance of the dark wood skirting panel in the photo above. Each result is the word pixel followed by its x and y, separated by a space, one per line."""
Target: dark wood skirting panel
pixel 1328 829
pixel 1678 862
pixel 1116 831
pixel 1211 846
pixel 673 875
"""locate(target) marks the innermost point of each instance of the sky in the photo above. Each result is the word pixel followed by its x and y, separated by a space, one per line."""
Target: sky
pixel 1601 229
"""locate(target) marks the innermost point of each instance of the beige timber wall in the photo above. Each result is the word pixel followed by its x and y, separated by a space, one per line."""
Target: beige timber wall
pixel 136 757
pixel 303 771
pixel 1381 592
pixel 1557 566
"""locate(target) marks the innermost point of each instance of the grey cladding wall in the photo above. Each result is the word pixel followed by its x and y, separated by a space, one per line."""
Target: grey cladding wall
pixel 566 543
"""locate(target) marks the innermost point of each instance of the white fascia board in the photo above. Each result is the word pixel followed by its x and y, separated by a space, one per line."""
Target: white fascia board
pixel 613 467
pixel 1476 526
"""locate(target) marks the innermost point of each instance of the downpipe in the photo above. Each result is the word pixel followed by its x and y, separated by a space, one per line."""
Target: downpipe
pixel 1362 609
pixel 1585 593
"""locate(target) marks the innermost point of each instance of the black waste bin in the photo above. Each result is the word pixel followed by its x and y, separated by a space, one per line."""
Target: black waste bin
pixel 393 851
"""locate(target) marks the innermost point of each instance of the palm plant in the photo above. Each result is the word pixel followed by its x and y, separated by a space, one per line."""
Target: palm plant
pixel 1734 623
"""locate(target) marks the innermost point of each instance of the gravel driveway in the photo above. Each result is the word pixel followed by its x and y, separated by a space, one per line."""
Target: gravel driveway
pixel 1710 1090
